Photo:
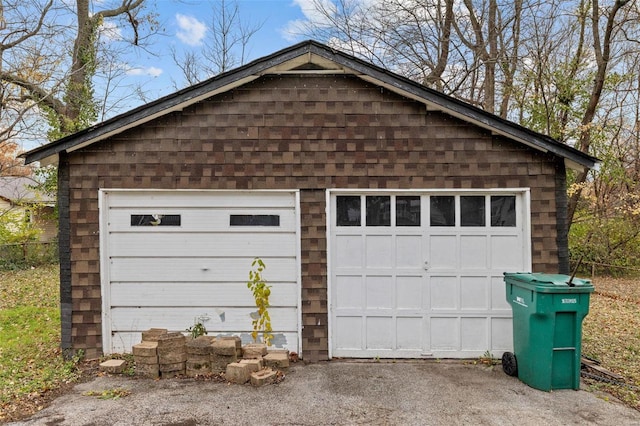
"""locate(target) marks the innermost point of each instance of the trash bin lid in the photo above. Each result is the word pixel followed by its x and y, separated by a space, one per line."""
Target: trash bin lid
pixel 549 283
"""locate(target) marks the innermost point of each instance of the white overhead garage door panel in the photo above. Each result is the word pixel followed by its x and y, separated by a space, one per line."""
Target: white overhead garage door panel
pixel 419 274
pixel 171 258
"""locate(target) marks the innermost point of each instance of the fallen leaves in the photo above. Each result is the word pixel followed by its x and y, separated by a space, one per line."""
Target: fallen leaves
pixel 32 287
pixel 611 333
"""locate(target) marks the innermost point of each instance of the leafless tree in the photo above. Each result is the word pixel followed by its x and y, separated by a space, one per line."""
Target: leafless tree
pixel 50 53
pixel 226 45
pixel 608 28
pixel 552 65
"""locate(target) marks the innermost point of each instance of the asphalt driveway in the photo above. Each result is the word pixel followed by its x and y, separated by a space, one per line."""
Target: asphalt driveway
pixel 340 393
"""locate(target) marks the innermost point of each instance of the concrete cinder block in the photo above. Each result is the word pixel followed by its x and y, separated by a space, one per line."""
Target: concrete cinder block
pixel 199 347
pixel 219 362
pixel 263 377
pixel 224 347
pixel 276 360
pixel 145 349
pixel 235 339
pixel 151 371
pixel 254 350
pixel 172 366
pixel 172 357
pixel 238 373
pixel 254 364
pixel 171 350
pixel 191 365
pixel 208 339
pixel 199 358
pixel 171 340
pixel 152 334
pixel 146 360
pixel 113 366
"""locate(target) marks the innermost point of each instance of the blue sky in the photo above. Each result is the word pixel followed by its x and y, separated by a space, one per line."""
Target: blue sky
pixel 185 25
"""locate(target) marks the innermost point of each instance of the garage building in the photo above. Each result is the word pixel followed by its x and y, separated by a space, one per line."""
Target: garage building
pixel 386 213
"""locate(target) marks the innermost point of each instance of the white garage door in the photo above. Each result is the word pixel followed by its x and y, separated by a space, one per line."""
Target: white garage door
pixel 173 258
pixel 419 274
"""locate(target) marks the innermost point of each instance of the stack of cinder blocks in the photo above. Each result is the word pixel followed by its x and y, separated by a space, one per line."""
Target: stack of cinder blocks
pixel 199 353
pixel 258 365
pixel 145 354
pixel 171 354
pixel 226 350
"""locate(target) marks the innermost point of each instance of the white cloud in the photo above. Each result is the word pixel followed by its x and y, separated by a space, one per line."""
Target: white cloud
pixel 293 31
pixel 191 31
pixel 148 71
pixel 314 12
pixel 110 31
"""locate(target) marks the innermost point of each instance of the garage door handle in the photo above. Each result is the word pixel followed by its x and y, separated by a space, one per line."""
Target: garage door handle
pixel 425 266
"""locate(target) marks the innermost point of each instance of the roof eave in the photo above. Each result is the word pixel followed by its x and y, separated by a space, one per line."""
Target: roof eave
pixel 283 62
pixel 174 102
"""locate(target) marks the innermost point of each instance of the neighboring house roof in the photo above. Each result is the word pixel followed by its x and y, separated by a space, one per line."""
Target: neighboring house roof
pixel 18 189
pixel 310 57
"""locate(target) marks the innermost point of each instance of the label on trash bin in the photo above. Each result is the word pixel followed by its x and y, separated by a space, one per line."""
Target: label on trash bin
pixel 569 301
pixel 520 301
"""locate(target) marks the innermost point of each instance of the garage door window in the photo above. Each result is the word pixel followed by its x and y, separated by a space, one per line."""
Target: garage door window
pixel 378 210
pixel 254 220
pixel 155 220
pixel 503 210
pixel 348 210
pixel 408 211
pixel 443 211
pixel 472 210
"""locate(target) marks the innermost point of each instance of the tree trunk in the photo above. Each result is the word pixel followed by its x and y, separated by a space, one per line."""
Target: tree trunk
pixel 491 59
pixel 434 79
pixel 510 64
pixel 82 48
pixel 602 49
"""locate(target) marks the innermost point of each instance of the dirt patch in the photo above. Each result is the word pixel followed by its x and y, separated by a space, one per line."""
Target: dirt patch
pixel 30 404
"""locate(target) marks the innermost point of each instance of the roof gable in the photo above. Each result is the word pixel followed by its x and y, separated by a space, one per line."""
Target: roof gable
pixel 310 57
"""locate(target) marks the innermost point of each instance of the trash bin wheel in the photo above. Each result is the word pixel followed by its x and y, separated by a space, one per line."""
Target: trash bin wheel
pixel 509 364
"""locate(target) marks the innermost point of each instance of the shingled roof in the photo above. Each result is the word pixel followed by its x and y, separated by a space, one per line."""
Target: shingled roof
pixel 20 190
pixel 310 57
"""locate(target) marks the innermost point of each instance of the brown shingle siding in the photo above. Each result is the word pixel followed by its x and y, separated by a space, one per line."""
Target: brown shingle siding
pixel 308 133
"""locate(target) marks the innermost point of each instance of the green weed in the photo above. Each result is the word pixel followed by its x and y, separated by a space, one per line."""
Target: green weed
pixel 115 393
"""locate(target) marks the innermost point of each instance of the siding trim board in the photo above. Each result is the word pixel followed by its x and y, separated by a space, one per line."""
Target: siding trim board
pixel 64 254
pixel 562 204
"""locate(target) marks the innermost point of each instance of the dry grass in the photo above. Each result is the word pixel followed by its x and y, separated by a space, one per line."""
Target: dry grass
pixel 611 334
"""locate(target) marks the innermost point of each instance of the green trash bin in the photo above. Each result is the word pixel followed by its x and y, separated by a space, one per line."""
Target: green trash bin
pixel 547 328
